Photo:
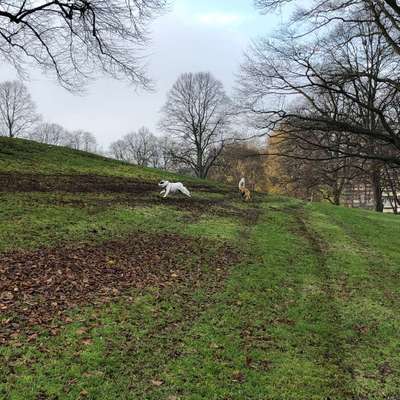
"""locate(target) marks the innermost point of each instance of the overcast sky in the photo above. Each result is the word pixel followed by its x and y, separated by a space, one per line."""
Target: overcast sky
pixel 206 35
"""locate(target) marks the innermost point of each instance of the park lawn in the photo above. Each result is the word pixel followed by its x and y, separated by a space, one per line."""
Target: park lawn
pixel 309 313
pixel 274 299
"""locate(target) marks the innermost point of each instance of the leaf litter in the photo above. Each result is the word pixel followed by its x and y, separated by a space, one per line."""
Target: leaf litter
pixel 39 287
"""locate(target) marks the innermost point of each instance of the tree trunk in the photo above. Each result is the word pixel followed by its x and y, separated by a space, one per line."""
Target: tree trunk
pixel 336 198
pixel 394 201
pixel 201 170
pixel 337 193
pixel 377 189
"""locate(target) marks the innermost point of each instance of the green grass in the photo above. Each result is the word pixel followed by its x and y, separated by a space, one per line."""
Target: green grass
pixel 310 311
pixel 25 156
pixel 30 221
pixel 110 352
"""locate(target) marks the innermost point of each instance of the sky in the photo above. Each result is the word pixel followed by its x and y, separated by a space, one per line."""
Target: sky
pixel 193 36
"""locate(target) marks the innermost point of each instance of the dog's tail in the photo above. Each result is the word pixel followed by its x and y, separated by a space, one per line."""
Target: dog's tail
pixel 185 191
pixel 242 184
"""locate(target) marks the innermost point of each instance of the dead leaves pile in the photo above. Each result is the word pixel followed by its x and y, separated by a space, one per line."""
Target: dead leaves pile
pixel 38 287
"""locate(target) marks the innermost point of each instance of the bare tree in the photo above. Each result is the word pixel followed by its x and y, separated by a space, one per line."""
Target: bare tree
pixel 49 133
pixel 337 83
pixel 81 140
pixel 89 142
pixel 383 16
pixel 335 97
pixel 197 114
pixel 141 148
pixel 17 110
pixel 75 38
pixel 166 150
pixel 118 150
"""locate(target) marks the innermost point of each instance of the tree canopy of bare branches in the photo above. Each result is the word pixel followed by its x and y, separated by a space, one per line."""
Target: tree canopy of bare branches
pixel 383 16
pixel 17 109
pixel 81 140
pixel 49 133
pixel 141 148
pixel 74 39
pixel 197 115
pixel 345 82
pixel 311 172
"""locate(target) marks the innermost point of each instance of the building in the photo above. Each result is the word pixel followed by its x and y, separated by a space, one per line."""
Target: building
pixel 360 195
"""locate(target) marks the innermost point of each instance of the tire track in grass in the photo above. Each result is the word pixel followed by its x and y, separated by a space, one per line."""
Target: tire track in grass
pixel 366 289
pixel 333 345
pixel 266 337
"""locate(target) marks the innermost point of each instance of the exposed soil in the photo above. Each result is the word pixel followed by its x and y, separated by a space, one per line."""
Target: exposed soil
pixel 195 206
pixel 71 183
pixel 14 182
pixel 39 287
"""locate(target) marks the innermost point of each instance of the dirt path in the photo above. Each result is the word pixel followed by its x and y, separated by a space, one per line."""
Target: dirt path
pixel 14 182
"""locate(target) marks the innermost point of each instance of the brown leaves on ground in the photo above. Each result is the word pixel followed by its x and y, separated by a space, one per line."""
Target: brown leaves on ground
pixel 37 287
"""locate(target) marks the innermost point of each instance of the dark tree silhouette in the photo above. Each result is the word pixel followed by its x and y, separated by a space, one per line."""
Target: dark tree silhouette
pixel 17 110
pixel 74 39
pixel 197 114
pixel 382 15
pixel 345 82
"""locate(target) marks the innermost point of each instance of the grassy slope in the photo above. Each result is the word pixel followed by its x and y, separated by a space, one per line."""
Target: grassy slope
pixel 310 313
pixel 25 156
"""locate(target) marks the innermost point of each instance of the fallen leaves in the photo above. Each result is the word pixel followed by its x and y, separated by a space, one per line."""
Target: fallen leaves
pixel 40 286
pixel 238 377
pixel 157 383
pixel 80 331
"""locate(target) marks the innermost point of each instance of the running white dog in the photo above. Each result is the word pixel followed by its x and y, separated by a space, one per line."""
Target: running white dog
pixel 169 187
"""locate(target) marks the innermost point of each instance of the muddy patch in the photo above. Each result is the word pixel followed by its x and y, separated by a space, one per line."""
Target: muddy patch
pixel 72 184
pixel 39 287
pixel 14 182
pixel 195 206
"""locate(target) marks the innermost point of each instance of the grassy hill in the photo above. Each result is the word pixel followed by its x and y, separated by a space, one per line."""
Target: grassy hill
pixel 26 156
pixel 108 291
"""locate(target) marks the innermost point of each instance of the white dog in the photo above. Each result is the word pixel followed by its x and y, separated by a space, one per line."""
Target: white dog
pixel 169 187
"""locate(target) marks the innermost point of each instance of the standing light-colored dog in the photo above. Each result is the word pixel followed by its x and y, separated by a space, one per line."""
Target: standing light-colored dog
pixel 169 187
pixel 246 196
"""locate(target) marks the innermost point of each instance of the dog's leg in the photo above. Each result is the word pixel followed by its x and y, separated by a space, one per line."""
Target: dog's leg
pixel 167 192
pixel 185 191
pixel 162 192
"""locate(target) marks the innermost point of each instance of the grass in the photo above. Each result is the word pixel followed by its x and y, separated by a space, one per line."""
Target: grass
pixel 310 311
pixel 109 352
pixel 30 221
pixel 26 156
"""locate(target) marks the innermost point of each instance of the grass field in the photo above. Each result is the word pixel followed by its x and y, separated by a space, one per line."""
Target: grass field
pixel 109 292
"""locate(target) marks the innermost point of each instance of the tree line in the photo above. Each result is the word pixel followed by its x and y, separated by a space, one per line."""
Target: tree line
pixel 19 118
pixel 74 40
pixel 195 135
